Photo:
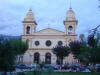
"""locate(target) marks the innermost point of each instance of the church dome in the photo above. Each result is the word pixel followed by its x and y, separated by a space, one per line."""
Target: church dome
pixel 70 14
pixel 29 16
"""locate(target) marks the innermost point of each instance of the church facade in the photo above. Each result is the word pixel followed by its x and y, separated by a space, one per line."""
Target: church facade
pixel 41 42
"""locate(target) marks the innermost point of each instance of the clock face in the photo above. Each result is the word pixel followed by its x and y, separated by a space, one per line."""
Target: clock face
pixel 60 43
pixel 37 43
pixel 48 43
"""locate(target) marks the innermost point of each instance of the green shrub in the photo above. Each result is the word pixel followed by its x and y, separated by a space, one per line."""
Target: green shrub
pixel 21 73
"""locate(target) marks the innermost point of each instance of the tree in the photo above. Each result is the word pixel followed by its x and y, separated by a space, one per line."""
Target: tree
pixel 9 49
pixel 91 51
pixel 91 41
pixel 18 46
pixel 84 54
pixel 94 37
pixel 81 37
pixel 61 52
pixel 75 48
pixel 99 5
pixel 88 52
pixel 89 55
pixel 95 50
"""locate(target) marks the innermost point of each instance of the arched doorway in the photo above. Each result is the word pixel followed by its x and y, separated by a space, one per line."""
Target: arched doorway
pixel 48 58
pixel 36 57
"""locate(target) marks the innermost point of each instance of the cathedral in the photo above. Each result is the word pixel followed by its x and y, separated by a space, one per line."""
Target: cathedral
pixel 41 42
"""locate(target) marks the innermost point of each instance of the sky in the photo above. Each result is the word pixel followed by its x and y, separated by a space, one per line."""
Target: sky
pixel 48 13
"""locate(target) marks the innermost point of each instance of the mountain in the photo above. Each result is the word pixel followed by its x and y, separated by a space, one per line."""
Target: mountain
pixel 9 37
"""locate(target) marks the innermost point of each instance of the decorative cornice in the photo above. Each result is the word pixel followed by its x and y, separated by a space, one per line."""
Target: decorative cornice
pixel 40 49
pixel 49 35
pixel 29 22
pixel 51 29
pixel 70 21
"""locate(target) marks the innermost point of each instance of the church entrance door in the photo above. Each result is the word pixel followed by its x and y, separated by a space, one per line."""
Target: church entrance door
pixel 36 57
pixel 48 58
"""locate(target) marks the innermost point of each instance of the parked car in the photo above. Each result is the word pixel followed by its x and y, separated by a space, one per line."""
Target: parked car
pixel 77 67
pixel 29 66
pixel 35 65
pixel 51 66
pixel 54 67
pixel 58 66
pixel 22 66
pixel 65 67
pixel 86 70
pixel 98 68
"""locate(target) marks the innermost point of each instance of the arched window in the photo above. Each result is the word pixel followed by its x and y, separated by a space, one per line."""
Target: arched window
pixel 28 30
pixel 48 58
pixel 70 30
pixel 36 57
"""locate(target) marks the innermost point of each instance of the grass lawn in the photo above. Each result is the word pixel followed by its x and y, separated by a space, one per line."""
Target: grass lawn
pixel 61 73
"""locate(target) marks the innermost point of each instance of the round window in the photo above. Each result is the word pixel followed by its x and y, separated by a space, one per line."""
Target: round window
pixel 60 43
pixel 37 43
pixel 48 43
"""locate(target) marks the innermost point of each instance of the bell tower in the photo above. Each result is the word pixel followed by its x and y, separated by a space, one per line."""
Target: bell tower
pixel 70 23
pixel 29 23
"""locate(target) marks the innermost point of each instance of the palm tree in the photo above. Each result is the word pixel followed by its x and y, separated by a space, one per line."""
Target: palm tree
pixel 81 37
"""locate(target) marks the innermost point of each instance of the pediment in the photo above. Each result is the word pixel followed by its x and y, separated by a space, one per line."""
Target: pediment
pixel 49 31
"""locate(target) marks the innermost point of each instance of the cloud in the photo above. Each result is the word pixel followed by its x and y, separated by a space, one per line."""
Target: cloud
pixel 52 12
